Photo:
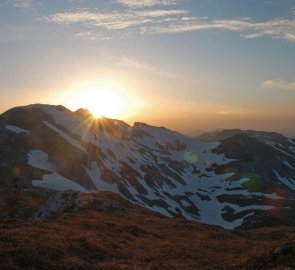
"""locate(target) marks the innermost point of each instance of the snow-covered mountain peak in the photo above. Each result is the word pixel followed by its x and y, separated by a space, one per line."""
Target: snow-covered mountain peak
pixel 227 183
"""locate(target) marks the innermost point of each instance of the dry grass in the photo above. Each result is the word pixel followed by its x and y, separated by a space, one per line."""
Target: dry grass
pixel 135 239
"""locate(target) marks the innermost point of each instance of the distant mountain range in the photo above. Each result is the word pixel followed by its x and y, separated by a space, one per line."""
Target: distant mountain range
pixel 226 133
pixel 232 178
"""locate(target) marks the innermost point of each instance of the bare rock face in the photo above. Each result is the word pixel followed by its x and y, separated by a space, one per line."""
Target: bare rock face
pixel 235 179
pixel 62 204
pixel 108 205
pixel 287 249
pixel 52 206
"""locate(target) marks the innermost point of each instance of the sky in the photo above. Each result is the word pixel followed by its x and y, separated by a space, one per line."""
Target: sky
pixel 188 65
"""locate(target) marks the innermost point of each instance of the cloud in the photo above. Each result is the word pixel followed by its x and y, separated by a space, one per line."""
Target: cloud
pixel 196 25
pixel 136 64
pixel 156 21
pixel 279 85
pixel 113 20
pixel 146 3
pixel 19 3
pixel 92 36
pixel 276 28
pixel 133 63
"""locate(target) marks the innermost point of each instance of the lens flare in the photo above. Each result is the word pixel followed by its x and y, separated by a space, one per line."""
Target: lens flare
pixel 191 157
pixel 253 183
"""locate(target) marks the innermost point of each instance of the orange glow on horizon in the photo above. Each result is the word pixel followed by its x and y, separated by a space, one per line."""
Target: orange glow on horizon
pixel 102 99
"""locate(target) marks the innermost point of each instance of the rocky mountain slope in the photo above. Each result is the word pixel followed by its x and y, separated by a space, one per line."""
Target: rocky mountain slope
pixel 240 181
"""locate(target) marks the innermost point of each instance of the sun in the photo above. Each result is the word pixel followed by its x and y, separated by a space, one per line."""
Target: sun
pixel 101 98
pixel 102 102
pixel 108 104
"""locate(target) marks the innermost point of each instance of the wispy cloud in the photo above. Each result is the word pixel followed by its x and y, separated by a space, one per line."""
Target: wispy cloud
pixel 276 28
pixel 19 3
pixel 139 65
pixel 92 36
pixel 146 3
pixel 195 25
pixel 152 21
pixel 279 85
pixel 113 20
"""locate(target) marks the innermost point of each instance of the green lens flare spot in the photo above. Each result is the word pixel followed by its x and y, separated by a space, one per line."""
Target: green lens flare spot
pixel 254 183
pixel 190 157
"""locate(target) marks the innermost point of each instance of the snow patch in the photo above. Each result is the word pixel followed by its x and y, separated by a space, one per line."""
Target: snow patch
pixel 286 181
pixel 16 129
pixel 56 181
pixel 284 161
pixel 68 138
pixel 274 196
pixel 273 145
pixel 95 175
pixel 185 203
pixel 39 159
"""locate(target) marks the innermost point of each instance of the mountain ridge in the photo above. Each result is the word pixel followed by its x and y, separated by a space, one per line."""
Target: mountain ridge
pixel 154 167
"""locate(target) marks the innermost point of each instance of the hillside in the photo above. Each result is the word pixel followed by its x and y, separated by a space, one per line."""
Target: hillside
pixel 109 233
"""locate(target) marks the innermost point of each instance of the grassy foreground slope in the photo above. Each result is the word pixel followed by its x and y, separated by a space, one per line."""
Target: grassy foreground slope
pixel 133 238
